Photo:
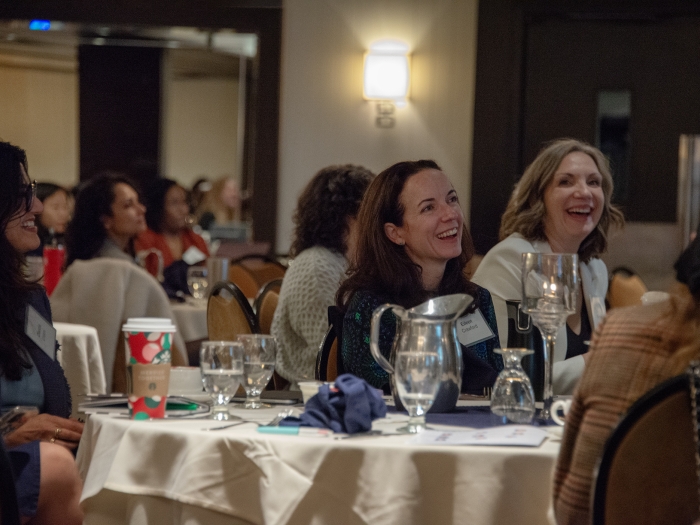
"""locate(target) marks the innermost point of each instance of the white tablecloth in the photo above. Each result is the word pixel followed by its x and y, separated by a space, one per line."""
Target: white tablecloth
pixel 81 359
pixel 171 471
pixel 191 320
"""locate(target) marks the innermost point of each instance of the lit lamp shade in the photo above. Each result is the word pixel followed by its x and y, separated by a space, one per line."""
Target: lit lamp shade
pixel 386 76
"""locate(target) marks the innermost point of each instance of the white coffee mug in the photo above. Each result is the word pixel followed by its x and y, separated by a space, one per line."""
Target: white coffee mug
pixel 560 404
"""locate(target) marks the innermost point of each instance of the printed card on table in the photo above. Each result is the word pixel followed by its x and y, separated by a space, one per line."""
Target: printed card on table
pixel 505 436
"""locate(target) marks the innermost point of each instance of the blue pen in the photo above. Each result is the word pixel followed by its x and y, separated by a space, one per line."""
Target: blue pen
pixel 296 431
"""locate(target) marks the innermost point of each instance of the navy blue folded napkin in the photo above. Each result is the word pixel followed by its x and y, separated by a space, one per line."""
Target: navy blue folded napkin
pixel 349 406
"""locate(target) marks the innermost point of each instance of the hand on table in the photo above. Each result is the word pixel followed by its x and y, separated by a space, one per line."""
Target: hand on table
pixel 45 427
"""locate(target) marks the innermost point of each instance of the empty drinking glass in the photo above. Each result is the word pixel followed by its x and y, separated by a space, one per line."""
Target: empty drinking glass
pixel 512 394
pixel 221 363
pixel 259 353
pixel 550 295
pixel 417 376
pixel 197 282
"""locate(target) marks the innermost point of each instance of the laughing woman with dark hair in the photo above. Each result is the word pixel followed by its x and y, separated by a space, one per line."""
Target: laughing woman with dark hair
pixel 48 483
pixel 324 243
pixel 412 246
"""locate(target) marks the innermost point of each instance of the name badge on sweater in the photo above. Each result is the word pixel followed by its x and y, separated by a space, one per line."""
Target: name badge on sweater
pixel 40 331
pixel 473 329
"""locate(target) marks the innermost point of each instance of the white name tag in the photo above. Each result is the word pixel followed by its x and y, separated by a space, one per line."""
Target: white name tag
pixel 40 331
pixel 473 329
pixel 193 255
pixel 597 310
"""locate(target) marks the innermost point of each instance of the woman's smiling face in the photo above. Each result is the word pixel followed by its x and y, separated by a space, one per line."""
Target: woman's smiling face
pixel 573 202
pixel 432 220
pixel 21 231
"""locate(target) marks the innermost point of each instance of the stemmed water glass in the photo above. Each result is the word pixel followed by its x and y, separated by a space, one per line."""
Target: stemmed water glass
pixel 259 352
pixel 197 282
pixel 512 395
pixel 221 363
pixel 417 376
pixel 550 285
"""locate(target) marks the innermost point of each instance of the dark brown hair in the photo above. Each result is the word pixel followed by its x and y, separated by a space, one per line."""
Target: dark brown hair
pixel 331 197
pixel 382 267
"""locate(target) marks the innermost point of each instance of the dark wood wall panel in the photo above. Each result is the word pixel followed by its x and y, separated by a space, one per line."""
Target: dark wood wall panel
pixel 540 64
pixel 120 110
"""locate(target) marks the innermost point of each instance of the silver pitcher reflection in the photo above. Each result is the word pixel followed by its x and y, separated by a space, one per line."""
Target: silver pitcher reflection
pixel 430 326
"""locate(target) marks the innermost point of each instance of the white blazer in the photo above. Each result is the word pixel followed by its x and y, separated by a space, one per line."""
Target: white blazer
pixel 500 273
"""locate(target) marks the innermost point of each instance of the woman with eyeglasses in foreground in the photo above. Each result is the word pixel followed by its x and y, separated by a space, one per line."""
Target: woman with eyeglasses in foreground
pixel 39 446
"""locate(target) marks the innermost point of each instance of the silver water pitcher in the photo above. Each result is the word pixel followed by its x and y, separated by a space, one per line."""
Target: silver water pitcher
pixel 429 327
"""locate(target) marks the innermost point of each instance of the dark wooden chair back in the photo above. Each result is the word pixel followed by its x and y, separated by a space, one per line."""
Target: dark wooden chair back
pixel 244 280
pixel 327 359
pixel 647 473
pixel 229 313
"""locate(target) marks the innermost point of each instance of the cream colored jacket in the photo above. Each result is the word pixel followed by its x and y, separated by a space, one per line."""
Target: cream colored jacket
pixel 500 273
pixel 103 293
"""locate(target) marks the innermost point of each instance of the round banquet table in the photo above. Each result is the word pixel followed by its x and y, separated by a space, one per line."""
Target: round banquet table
pixel 191 320
pixel 172 471
pixel 81 359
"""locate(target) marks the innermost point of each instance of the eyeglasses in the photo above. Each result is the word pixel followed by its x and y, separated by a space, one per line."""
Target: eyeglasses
pixel 28 192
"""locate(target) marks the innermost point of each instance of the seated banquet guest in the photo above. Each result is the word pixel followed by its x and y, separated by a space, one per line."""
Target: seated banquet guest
pixel 412 245
pixel 560 205
pixel 107 218
pixel 56 215
pixel 221 204
pixel 39 448
pixel 167 211
pixel 324 241
pixel 52 222
pixel 633 350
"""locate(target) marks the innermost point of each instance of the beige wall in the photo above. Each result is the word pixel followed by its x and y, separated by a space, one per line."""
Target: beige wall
pixel 39 113
pixel 200 129
pixel 324 119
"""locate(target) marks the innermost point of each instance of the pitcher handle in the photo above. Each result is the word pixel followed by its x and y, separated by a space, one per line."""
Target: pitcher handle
pixel 374 336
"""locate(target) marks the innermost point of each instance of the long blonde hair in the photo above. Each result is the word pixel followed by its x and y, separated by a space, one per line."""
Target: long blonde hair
pixel 211 202
pixel 526 211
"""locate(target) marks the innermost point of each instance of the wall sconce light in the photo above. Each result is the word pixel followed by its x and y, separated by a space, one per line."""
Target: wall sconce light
pixel 387 78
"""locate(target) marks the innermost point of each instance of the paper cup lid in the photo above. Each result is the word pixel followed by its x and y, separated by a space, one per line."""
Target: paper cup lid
pixel 148 324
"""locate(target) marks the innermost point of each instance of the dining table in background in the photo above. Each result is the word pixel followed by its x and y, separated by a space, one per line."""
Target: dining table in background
pixel 81 359
pixel 173 471
pixel 191 322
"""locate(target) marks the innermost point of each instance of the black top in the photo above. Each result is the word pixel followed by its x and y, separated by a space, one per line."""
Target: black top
pixel 577 344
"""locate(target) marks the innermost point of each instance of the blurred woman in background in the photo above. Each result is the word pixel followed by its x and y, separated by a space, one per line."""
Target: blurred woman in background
pixel 39 446
pixel 324 242
pixel 221 204
pixel 168 231
pixel 53 221
pixel 108 216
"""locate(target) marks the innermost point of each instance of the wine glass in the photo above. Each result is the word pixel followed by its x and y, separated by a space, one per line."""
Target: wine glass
pixel 259 353
pixel 197 282
pixel 221 363
pixel 512 394
pixel 550 285
pixel 417 376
